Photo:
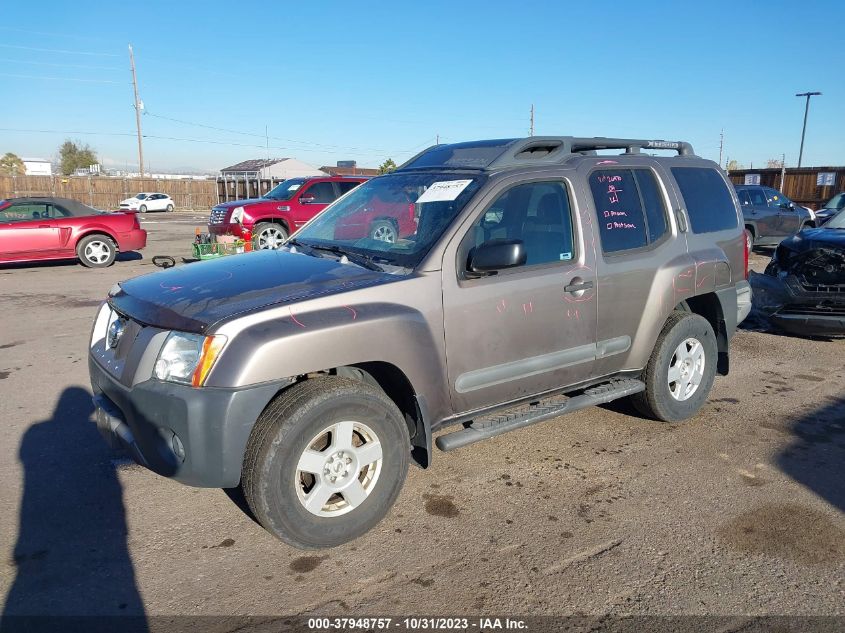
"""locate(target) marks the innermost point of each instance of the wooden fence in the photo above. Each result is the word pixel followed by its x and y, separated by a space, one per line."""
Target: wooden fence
pixel 799 185
pixel 102 192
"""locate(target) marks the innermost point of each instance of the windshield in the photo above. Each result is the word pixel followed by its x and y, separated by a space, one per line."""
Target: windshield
pixel 836 202
pixel 393 219
pixel 140 196
pixel 285 190
pixel 836 222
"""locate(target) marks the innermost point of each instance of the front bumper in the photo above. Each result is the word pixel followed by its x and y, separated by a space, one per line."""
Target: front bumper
pixel 194 435
pixel 793 309
pixel 229 228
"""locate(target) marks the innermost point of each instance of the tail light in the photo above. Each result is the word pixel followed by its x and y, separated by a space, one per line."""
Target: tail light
pixel 746 251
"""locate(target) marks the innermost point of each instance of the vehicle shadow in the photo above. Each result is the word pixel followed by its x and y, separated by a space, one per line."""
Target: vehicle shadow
pixel 71 558
pixel 128 256
pixel 816 456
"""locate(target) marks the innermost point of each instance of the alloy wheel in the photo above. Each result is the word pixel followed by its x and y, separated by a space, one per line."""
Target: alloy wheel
pixel 338 469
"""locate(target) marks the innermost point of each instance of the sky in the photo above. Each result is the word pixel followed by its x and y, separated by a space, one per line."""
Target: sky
pixel 367 81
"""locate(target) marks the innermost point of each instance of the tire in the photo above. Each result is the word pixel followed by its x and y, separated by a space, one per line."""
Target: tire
pixel 661 400
pixel 297 426
pixel 142 208
pixel 749 240
pixel 96 251
pixel 384 231
pixel 169 208
pixel 269 235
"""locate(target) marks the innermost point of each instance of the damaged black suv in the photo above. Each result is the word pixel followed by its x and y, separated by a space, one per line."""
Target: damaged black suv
pixel 803 288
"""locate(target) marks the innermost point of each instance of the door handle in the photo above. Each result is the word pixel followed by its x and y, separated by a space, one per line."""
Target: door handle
pixel 578 286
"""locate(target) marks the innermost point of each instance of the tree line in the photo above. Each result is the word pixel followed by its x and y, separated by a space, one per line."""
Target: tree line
pixel 73 155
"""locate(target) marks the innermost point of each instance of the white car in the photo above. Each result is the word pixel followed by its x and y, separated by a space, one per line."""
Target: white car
pixel 144 202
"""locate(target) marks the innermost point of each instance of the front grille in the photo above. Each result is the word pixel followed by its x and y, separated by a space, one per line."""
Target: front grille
pixel 821 310
pixel 218 215
pixel 825 288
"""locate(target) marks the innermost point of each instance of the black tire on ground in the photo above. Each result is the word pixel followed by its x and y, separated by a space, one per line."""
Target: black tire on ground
pixel 271 479
pixel 268 233
pixel 169 208
pixel 142 208
pixel 657 400
pixel 384 230
pixel 96 251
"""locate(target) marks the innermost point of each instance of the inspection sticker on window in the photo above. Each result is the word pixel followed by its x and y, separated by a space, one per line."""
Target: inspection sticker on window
pixel 443 191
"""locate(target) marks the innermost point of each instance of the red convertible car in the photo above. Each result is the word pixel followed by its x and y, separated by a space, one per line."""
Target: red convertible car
pixel 34 229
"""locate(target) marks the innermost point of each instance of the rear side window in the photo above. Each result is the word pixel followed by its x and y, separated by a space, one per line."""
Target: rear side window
pixel 708 202
pixel 630 208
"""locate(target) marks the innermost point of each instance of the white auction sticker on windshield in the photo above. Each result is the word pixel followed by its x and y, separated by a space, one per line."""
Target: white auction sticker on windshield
pixel 294 187
pixel 443 191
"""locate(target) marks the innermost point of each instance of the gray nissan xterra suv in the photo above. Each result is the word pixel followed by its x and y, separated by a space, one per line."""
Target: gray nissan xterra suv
pixel 542 278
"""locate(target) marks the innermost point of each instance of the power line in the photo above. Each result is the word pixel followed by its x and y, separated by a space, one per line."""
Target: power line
pixel 183 140
pixel 91 81
pixel 275 138
pixel 57 50
pixel 84 66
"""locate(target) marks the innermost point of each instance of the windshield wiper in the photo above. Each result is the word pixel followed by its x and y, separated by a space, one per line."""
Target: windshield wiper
pixel 365 261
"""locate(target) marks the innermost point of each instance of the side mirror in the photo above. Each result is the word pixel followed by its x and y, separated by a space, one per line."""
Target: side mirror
pixel 495 255
pixel 306 198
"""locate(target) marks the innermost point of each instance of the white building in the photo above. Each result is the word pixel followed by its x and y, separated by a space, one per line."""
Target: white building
pixel 275 168
pixel 37 167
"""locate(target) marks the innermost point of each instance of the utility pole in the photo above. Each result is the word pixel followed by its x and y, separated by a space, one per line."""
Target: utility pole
pixel 437 140
pixel 721 144
pixel 531 128
pixel 137 113
pixel 782 171
pixel 804 129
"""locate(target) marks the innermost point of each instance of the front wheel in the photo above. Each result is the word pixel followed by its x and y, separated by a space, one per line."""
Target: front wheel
pixel 384 231
pixel 142 208
pixel 96 251
pixel 681 370
pixel 325 462
pixel 749 241
pixel 269 236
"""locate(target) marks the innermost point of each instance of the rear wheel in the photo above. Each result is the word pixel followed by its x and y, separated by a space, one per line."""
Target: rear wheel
pixel 681 370
pixel 325 462
pixel 269 236
pixel 96 251
pixel 169 208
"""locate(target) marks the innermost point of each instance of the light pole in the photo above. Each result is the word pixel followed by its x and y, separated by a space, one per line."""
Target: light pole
pixel 806 110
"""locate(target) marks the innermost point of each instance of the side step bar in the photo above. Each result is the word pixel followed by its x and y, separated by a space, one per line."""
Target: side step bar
pixel 496 424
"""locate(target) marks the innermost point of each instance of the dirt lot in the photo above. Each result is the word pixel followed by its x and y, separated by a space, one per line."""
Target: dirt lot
pixel 738 511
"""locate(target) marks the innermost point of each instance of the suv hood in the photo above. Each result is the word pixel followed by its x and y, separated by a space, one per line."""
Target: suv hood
pixel 809 239
pixel 240 203
pixel 193 297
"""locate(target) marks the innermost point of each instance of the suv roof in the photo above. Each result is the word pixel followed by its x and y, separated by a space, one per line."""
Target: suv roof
pixel 498 154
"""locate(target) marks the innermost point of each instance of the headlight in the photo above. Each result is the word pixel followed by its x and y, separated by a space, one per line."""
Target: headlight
pixel 237 215
pixel 187 358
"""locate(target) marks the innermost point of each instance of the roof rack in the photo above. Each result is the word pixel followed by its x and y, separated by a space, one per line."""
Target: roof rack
pixel 491 155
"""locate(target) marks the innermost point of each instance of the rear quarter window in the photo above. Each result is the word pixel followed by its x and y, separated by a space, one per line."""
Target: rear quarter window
pixel 708 202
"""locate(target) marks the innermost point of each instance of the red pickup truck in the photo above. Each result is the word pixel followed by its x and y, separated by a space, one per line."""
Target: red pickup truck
pixel 281 211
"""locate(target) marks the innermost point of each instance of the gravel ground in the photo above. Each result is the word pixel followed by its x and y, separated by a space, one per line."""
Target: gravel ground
pixel 738 511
